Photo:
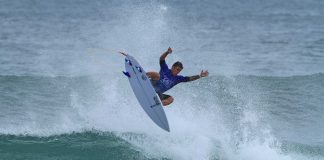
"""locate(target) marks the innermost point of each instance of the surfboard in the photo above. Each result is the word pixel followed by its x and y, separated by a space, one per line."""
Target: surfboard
pixel 145 93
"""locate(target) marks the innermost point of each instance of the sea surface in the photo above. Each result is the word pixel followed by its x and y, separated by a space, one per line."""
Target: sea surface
pixel 63 95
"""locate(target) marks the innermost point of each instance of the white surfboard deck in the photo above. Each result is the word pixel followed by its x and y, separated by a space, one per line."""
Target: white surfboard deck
pixel 145 93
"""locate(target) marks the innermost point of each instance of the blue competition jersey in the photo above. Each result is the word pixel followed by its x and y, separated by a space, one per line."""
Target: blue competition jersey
pixel 167 80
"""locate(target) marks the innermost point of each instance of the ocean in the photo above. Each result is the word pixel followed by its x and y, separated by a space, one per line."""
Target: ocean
pixel 63 95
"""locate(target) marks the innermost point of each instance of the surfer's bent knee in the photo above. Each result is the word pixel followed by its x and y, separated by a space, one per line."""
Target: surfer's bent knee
pixel 153 75
pixel 167 101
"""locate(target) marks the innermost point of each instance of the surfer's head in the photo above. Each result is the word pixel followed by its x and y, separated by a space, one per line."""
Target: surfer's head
pixel 176 68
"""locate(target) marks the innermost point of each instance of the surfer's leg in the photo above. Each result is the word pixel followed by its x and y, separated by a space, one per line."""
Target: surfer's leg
pixel 153 75
pixel 166 99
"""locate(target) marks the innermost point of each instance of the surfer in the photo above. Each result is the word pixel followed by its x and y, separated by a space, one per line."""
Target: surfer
pixel 168 78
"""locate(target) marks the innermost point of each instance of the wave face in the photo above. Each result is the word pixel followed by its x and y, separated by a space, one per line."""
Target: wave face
pixel 237 117
pixel 63 95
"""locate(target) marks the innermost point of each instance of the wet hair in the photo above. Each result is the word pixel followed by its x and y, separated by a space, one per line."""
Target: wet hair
pixel 177 64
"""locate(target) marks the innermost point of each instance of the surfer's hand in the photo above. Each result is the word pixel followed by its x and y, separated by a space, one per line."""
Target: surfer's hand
pixel 204 73
pixel 169 50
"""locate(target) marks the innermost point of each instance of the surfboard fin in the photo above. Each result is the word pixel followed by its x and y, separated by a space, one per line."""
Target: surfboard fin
pixel 127 74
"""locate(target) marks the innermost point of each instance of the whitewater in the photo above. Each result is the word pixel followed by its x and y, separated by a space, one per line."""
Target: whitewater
pixel 63 94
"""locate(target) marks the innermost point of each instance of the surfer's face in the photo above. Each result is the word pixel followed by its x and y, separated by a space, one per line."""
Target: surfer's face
pixel 175 70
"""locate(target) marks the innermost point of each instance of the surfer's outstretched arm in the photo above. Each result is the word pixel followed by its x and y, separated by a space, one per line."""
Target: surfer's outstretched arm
pixel 202 74
pixel 164 55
